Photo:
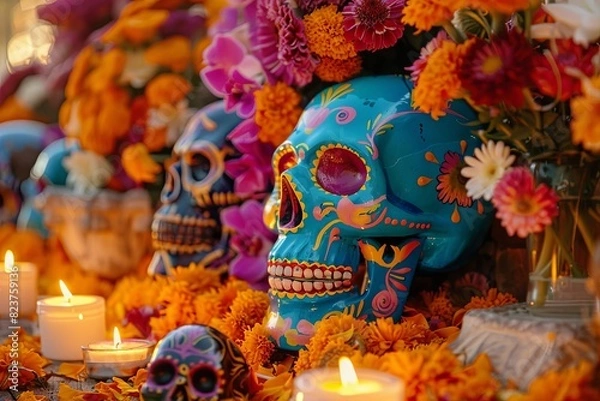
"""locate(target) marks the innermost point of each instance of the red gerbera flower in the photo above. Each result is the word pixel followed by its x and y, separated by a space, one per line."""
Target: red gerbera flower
pixel 568 54
pixel 373 24
pixel 451 187
pixel 522 207
pixel 498 71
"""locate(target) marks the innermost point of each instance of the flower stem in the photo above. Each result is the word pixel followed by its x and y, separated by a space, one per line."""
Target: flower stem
pixel 454 33
pixel 575 270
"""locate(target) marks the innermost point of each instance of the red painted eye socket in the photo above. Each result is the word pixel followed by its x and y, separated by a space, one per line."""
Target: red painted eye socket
pixel 341 171
pixel 205 380
pixel 162 372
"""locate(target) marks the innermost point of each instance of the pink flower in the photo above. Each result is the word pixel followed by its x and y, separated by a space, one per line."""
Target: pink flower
pixel 308 6
pixel 419 65
pixel 373 24
pixel 251 240
pixel 522 207
pixel 232 73
pixel 280 44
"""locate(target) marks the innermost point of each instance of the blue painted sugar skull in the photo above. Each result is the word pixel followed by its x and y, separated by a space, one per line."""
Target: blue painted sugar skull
pixel 20 144
pixel 197 363
pixel 367 190
pixel 187 227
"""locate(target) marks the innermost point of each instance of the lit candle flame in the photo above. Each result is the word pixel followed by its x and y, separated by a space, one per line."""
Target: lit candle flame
pixel 65 291
pixel 9 261
pixel 347 373
pixel 116 338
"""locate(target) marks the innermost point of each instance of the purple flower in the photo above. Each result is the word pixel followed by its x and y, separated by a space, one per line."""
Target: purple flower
pixel 232 73
pixel 182 22
pixel 280 44
pixel 252 242
pixel 252 173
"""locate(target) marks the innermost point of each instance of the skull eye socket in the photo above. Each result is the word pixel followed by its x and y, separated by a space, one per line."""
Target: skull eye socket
pixel 340 171
pixel 162 372
pixel 205 380
pixel 199 164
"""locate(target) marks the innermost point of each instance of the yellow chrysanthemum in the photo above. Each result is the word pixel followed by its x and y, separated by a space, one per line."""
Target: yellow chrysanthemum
pixel 585 110
pixel 257 346
pixel 570 384
pixel 30 365
pixel 439 82
pixel 325 34
pixel 277 112
pixel 425 14
pixel 501 6
pixel 332 70
pixel 247 309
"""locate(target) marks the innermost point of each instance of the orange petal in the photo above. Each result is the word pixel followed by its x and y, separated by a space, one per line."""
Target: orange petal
pixel 174 53
pixel 167 88
pixel 71 370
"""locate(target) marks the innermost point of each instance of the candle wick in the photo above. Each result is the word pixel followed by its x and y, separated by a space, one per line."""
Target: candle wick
pixel 118 345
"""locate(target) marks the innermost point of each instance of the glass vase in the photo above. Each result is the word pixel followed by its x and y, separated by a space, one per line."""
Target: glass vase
pixel 560 254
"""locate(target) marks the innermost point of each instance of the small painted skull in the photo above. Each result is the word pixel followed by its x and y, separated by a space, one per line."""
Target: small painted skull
pixel 367 190
pixel 187 227
pixel 196 363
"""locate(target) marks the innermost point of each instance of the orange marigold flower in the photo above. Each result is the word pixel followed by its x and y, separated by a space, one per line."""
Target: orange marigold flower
pixel 178 300
pixel 257 346
pixel 425 14
pixel 492 299
pixel 31 365
pixel 136 28
pixel 277 112
pixel 332 70
pixel 138 164
pixel 585 110
pixel 367 361
pixel 30 396
pixel 278 388
pixel 198 277
pixel 174 53
pixel 440 305
pixel 167 89
pixel 26 340
pixel 216 302
pixel 247 309
pixel 324 29
pixel 500 6
pixel 439 82
pixel 81 67
pixel 339 329
pixel 108 69
pixel 570 384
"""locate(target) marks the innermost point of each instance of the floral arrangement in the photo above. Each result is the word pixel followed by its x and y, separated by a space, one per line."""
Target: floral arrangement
pixel 131 93
pixel 530 69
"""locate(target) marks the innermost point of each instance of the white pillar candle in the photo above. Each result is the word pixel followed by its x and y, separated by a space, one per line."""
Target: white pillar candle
pixel 347 384
pixel 18 289
pixel 108 359
pixel 69 323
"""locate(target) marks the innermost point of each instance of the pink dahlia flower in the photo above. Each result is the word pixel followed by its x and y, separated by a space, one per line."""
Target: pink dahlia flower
pixel 281 45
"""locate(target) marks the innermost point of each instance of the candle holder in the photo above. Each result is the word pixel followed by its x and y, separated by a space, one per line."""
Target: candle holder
pixel 324 385
pixel 103 360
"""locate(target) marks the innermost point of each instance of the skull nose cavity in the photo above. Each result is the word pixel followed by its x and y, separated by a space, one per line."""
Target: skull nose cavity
pixel 290 209
pixel 180 394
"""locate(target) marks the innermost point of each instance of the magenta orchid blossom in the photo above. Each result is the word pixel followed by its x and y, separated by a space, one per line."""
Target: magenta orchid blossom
pixel 232 73
pixel 251 241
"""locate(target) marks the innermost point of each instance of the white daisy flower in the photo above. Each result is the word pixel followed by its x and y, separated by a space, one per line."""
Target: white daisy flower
pixel 87 172
pixel 486 168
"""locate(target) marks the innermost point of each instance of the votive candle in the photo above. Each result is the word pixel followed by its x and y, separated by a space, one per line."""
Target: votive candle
pixel 18 288
pixel 70 322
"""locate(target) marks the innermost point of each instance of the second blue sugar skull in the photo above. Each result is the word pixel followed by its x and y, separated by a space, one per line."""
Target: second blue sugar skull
pixel 367 190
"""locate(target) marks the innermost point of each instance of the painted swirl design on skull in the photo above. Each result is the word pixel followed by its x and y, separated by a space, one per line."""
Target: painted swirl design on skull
pixel 196 363
pixel 367 189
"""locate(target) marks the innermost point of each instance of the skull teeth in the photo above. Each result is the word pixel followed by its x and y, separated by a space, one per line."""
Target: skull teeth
pixel 308 278
pixel 184 234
